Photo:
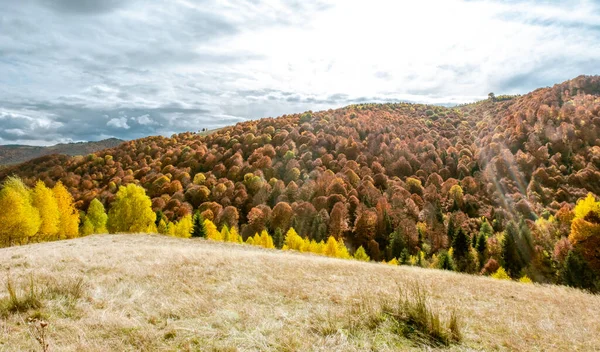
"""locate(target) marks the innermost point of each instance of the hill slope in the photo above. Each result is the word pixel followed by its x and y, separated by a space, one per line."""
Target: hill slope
pixel 148 293
pixel 16 154
pixel 366 171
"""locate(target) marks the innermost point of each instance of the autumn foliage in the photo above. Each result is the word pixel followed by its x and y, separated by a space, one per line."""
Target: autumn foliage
pixel 400 181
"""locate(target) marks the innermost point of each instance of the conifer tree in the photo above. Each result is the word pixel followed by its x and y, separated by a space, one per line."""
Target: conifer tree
pixel 97 216
pixel 445 261
pixel 451 231
pixel 211 231
pixel 292 240
pixel 68 225
pixel 131 211
pixel 278 238
pixel 331 247
pixel 577 273
pixel 234 235
pixel 510 255
pixel 361 255
pixel 43 200
pixel 225 233
pixel 182 228
pixel 397 244
pixel 163 227
pixel 199 229
pixel 266 240
pixel 461 251
pixel 87 228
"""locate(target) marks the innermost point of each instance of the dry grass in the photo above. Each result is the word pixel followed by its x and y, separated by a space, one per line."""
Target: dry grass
pixel 154 293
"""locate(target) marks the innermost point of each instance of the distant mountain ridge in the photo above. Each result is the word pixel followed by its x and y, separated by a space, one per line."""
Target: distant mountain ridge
pixel 16 154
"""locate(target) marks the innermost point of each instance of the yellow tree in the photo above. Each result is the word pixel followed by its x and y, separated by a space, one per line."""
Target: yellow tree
pixel 43 199
pixel 234 235
pixel 182 228
pixel 19 219
pixel 211 231
pixel 68 225
pixel 97 216
pixel 131 211
pixel 293 241
pixel 266 240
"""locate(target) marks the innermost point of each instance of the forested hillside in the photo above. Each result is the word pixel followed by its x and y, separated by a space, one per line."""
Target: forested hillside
pixel 14 154
pixel 468 188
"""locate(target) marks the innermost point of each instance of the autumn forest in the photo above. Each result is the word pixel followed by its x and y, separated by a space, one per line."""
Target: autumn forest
pixel 506 187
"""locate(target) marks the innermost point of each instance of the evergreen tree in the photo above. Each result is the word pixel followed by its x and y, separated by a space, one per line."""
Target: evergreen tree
pixel 163 227
pixel 397 244
pixel 445 261
pixel 461 251
pixel 278 238
pixel 510 255
pixel 159 216
pixel 199 229
pixel 451 230
pixel 577 273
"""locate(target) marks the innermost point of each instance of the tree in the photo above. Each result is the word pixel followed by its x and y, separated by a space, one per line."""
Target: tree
pixel 131 211
pixel 87 228
pixel 278 238
pixel 397 244
pixel 97 216
pixel 292 240
pixel 510 255
pixel 19 219
pixel 461 251
pixel 43 200
pixel 361 255
pixel 577 273
pixel 68 225
pixel 199 229
pixel 211 231
pixel 182 228
pixel 444 261
pixel 163 227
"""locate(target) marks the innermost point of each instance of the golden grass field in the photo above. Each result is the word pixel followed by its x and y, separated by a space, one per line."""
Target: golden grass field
pixel 155 293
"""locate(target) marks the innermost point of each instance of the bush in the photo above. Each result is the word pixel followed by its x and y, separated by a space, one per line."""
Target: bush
pixel 501 274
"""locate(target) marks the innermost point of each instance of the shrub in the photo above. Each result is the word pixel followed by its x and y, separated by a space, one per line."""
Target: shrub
pixel 361 255
pixel 501 274
pixel 525 279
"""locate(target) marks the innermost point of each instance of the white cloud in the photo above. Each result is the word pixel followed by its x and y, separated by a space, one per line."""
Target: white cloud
pixel 145 120
pixel 120 122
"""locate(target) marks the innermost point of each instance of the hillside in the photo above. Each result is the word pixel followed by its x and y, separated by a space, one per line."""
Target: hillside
pixel 148 293
pixel 401 180
pixel 15 154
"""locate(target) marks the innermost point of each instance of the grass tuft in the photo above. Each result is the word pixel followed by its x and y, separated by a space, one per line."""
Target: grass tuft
pixel 411 316
pixel 19 300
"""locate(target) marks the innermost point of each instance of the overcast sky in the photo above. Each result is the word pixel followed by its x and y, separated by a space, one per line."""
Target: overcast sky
pixel 73 70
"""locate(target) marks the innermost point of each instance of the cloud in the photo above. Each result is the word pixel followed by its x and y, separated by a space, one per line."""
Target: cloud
pixel 118 123
pixel 86 70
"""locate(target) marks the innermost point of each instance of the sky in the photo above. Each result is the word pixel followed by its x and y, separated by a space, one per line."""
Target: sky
pixel 79 70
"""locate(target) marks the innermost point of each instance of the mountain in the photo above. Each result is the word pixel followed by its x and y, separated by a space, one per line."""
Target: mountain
pixel 157 293
pixel 400 180
pixel 16 154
